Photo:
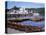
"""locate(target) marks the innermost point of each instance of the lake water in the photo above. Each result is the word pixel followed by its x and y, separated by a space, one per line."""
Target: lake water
pixel 32 23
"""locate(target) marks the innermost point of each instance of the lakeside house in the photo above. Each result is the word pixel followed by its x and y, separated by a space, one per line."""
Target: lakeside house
pixel 22 13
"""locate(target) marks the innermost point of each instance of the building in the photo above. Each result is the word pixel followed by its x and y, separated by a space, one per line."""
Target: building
pixel 19 13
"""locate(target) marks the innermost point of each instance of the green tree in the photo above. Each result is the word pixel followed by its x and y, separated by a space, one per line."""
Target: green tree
pixel 16 8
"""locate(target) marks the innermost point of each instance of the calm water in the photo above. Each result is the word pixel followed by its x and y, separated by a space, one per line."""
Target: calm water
pixel 32 23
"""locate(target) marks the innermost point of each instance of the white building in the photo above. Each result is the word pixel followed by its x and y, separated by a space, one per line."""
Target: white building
pixel 21 11
pixel 36 14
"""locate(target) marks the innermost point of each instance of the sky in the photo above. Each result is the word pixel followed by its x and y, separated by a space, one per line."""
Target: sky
pixel 11 4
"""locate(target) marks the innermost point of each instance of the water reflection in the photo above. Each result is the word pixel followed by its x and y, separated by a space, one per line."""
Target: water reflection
pixel 32 23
